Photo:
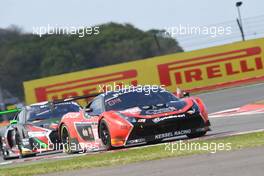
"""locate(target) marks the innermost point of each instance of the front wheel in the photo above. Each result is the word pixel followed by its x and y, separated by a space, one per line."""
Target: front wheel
pixel 105 135
pixel 196 135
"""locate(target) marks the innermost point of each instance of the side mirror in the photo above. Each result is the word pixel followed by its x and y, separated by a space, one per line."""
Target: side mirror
pixel 185 94
pixel 13 122
pixel 181 94
pixel 88 110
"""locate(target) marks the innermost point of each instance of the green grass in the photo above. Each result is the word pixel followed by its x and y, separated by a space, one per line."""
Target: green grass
pixel 130 156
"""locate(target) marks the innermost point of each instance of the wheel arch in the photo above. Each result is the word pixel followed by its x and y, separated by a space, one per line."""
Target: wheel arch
pixel 202 108
pixel 59 129
pixel 99 124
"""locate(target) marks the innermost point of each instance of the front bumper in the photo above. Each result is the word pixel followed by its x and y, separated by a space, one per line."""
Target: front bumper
pixel 153 129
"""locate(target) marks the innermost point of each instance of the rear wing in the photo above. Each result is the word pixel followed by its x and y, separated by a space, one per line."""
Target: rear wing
pixel 7 115
pixel 87 97
pixel 9 111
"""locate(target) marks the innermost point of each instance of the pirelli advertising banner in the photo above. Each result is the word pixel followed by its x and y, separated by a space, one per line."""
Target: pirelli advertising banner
pixel 196 70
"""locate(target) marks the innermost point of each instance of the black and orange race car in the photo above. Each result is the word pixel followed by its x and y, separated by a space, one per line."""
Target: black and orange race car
pixel 34 129
pixel 125 118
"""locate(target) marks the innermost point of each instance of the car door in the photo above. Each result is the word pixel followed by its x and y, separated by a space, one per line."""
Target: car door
pixel 86 130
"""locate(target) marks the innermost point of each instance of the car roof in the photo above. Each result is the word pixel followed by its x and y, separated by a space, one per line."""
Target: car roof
pixel 47 103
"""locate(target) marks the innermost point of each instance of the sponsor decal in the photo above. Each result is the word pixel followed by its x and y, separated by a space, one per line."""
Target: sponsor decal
pixel 159 119
pixel 201 69
pixel 231 63
pixel 172 134
pixel 85 131
pixel 39 133
pixel 136 141
pixel 135 110
pixel 114 101
pixel 84 86
pixel 176 133
pixel 25 141
pixel 71 115
pixel 141 120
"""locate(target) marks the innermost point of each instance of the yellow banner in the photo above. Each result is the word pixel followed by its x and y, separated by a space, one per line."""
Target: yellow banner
pixel 195 70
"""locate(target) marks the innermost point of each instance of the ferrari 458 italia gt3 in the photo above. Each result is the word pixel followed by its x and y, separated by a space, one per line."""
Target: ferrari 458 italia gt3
pixel 124 118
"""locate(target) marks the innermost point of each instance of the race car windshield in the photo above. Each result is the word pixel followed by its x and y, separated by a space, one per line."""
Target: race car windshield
pixel 123 101
pixel 43 112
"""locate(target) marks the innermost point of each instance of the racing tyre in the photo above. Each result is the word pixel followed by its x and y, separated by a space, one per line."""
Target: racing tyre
pixel 196 135
pixel 105 135
pixel 18 143
pixel 66 140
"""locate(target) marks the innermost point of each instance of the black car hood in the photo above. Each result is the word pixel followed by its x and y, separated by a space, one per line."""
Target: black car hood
pixel 157 108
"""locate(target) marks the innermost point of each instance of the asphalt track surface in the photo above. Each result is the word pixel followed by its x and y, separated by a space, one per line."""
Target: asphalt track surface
pixel 232 97
pixel 222 100
pixel 246 162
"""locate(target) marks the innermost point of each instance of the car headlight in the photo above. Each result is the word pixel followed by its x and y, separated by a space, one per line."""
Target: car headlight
pixel 131 119
pixel 194 109
pixel 128 118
